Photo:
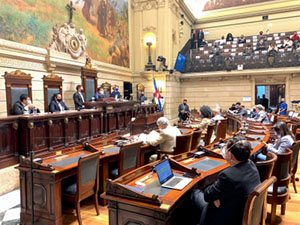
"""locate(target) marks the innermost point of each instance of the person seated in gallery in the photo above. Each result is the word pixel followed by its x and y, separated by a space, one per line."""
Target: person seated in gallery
pixel 273 49
pixel 248 51
pixel 297 48
pixel 262 115
pixel 116 93
pixel 284 141
pixel 295 37
pixel 202 43
pixel 79 97
pixel 142 97
pixel 205 115
pixel 287 43
pixel 229 37
pixel 183 111
pixel 100 94
pixel 223 202
pixel 165 137
pixel 216 50
pixel 261 36
pixel 222 41
pixel 242 39
pixel 24 106
pixel 57 105
pixel 261 44
pixel 282 108
pixel 242 111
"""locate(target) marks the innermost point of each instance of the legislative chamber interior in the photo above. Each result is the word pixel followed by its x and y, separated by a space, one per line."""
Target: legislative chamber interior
pixel 149 112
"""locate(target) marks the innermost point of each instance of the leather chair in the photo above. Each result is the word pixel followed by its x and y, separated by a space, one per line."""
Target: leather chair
pixel 183 143
pixel 255 208
pixel 265 168
pixel 196 139
pixel 294 163
pixel 129 159
pixel 278 194
pixel 208 134
pixel 221 130
pixel 87 183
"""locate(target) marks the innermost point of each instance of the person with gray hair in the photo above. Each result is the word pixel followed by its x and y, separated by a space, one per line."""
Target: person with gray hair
pixel 165 137
pixel 261 116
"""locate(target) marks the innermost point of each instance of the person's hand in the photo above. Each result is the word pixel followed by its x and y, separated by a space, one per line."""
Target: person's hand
pixel 182 111
pixel 30 106
pixel 217 203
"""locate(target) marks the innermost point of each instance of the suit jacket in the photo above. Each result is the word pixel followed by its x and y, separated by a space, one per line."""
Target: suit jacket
pixel 200 35
pixel 18 108
pixel 98 96
pixel 166 139
pixel 115 93
pixel 142 98
pixel 232 188
pixel 78 100
pixel 54 107
pixel 183 107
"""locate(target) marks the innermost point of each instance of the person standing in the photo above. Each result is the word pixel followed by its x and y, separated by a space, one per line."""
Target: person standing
pixel 282 108
pixel 265 102
pixel 183 111
pixel 200 37
pixel 79 97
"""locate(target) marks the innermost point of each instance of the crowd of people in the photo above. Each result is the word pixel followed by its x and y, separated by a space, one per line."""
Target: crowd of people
pixel 198 40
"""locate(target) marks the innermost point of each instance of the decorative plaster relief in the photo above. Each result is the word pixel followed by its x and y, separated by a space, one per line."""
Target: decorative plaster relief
pixel 139 5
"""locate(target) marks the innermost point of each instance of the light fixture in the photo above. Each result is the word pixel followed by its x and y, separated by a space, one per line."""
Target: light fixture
pixel 149 40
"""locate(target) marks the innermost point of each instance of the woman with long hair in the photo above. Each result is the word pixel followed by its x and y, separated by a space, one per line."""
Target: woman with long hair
pixel 285 139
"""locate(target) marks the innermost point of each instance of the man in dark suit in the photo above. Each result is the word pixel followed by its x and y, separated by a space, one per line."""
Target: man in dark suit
pixel 57 105
pixel 100 94
pixel 265 102
pixel 142 97
pixel 79 97
pixel 183 111
pixel 200 37
pixel 23 106
pixel 116 93
pixel 223 202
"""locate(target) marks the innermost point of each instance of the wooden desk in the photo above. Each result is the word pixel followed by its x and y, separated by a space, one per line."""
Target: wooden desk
pixel 47 186
pixel 9 141
pixel 46 132
pixel 126 204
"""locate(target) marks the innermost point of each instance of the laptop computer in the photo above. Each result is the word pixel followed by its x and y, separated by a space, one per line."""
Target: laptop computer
pixel 167 178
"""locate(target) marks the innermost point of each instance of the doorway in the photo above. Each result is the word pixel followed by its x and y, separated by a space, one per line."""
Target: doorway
pixel 269 95
pixel 127 90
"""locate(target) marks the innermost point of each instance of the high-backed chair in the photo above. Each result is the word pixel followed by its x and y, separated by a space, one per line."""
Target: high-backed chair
pixel 183 143
pixel 294 163
pixel 16 84
pixel 255 208
pixel 208 134
pixel 129 159
pixel 265 168
pixel 87 183
pixel 196 138
pixel 52 85
pixel 278 194
pixel 221 129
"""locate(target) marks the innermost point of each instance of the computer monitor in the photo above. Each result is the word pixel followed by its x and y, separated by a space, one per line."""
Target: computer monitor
pixel 180 61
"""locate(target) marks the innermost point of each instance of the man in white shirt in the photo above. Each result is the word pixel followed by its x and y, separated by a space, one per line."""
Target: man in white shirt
pixel 165 138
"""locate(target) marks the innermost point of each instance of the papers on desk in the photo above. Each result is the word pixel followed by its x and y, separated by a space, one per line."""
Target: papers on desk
pixel 143 138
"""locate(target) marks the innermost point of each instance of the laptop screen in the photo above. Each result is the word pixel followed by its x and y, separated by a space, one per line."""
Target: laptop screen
pixel 164 171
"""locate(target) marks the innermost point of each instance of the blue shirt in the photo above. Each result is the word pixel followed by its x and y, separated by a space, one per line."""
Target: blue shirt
pixel 283 106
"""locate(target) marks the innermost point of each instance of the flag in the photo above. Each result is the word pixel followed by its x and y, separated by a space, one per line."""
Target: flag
pixel 159 99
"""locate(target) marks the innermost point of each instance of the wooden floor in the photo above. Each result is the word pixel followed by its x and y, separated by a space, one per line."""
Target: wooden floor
pixel 88 212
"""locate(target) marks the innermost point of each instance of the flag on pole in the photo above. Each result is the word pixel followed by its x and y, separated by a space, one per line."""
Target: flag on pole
pixel 159 99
